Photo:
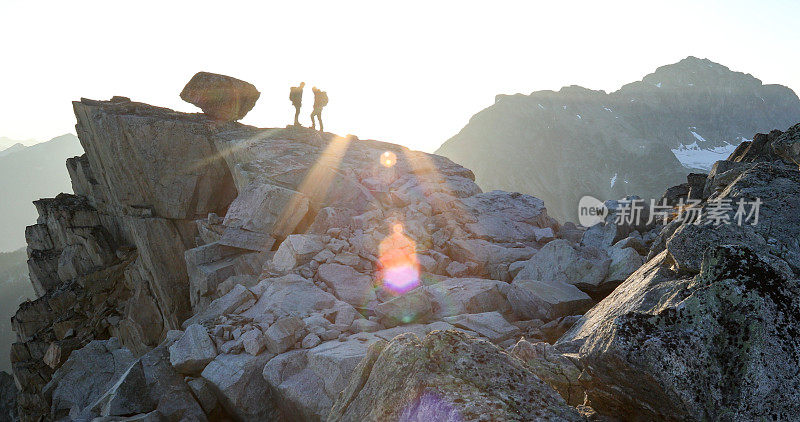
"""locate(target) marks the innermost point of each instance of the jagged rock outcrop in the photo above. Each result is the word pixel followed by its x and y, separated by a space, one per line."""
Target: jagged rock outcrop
pixel 446 376
pixel 108 261
pixel 641 139
pixel 705 329
pixel 220 97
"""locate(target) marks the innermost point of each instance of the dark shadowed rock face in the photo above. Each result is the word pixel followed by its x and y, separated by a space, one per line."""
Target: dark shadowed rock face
pixel 559 146
pixel 220 97
pixel 447 376
pixel 772 146
pixel 8 398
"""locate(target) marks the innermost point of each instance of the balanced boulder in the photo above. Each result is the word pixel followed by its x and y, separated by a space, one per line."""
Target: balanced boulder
pixel 221 97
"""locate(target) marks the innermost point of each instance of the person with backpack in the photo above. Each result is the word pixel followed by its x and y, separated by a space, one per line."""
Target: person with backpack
pixel 296 97
pixel 320 101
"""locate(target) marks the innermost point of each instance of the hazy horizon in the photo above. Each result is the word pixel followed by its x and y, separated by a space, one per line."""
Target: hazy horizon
pixel 412 76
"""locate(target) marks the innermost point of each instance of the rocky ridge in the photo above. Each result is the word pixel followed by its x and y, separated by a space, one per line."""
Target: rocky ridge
pixel 212 270
pixel 270 254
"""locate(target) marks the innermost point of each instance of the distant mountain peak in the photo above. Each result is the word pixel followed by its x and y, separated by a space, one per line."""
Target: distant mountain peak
pixel 559 145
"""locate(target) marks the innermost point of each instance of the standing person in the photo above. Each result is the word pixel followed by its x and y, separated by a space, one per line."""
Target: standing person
pixel 296 97
pixel 320 100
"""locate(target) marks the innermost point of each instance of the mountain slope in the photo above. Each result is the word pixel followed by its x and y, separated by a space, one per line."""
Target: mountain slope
pixel 28 174
pixel 6 143
pixel 639 140
pixel 15 288
pixel 12 149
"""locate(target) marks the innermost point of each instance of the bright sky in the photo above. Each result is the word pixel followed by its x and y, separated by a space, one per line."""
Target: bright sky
pixel 407 72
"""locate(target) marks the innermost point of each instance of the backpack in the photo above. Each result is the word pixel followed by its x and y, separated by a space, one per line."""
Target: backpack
pixel 323 98
pixel 295 94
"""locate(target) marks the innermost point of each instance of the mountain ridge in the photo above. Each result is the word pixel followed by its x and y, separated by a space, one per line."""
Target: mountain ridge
pixel 639 139
pixel 28 174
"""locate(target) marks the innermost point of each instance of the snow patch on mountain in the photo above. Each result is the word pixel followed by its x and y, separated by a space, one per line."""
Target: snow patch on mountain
pixel 694 157
pixel 698 137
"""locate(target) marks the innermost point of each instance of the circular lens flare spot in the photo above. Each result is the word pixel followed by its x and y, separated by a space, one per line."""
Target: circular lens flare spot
pixel 398 259
pixel 388 159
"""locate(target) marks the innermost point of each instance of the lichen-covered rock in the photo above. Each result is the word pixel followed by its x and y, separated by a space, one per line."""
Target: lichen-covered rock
pixel 557 370
pixel 446 376
pixel 787 145
pixel 776 190
pixel 220 97
pixel 721 346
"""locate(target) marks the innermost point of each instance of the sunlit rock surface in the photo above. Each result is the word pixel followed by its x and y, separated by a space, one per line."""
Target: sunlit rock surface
pixel 446 376
pixel 244 273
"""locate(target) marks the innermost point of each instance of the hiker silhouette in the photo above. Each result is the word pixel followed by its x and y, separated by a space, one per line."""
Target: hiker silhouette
pixel 320 101
pixel 296 97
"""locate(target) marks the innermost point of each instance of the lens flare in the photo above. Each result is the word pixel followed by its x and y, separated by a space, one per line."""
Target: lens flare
pixel 430 406
pixel 388 159
pixel 398 258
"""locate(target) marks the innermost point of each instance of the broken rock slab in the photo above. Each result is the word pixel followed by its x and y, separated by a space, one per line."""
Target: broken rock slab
pixel 458 296
pixel 85 376
pixel 283 334
pixel 348 284
pixel 224 305
pixel 193 351
pixel 240 387
pixel 290 295
pixel 552 367
pixel 559 260
pixel 546 300
pixel 413 307
pixel 295 250
pixel 491 325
